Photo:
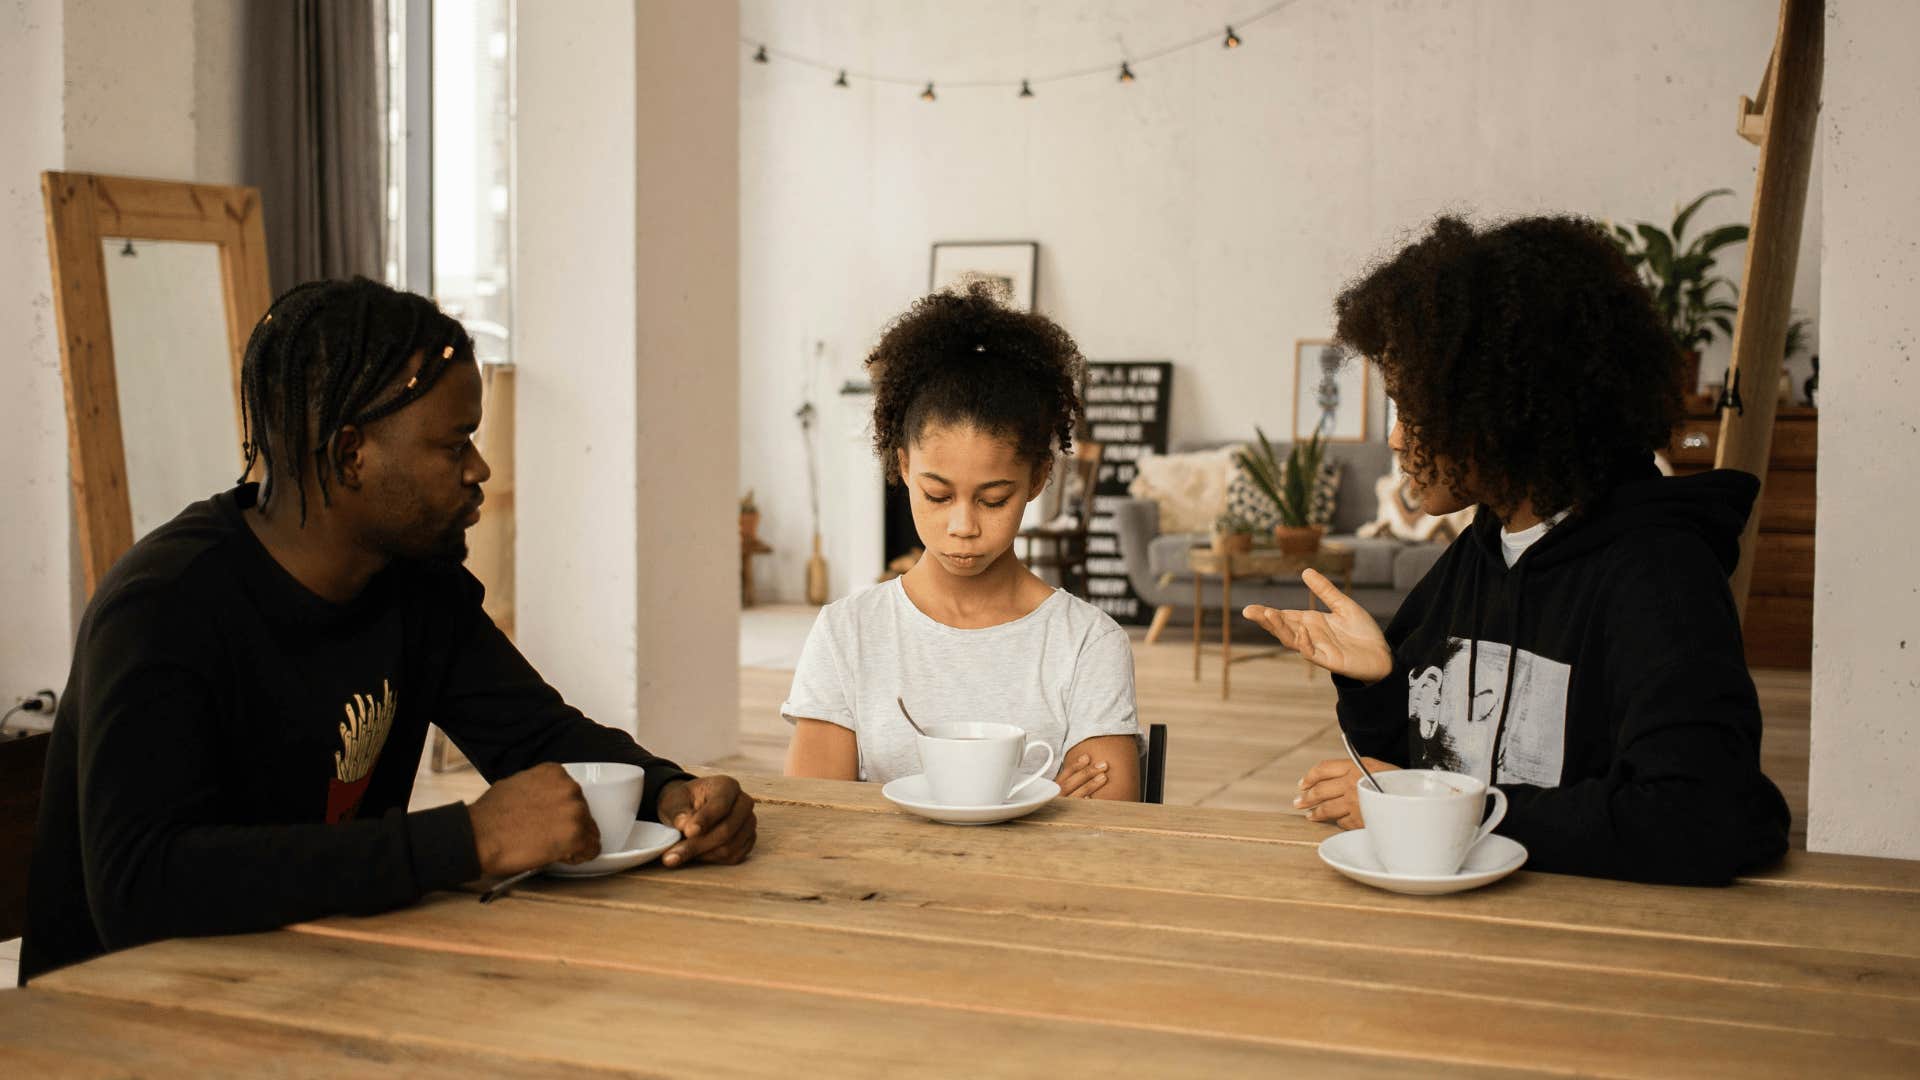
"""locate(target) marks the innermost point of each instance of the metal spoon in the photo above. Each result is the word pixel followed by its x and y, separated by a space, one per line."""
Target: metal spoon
pixel 903 712
pixel 501 889
pixel 1356 760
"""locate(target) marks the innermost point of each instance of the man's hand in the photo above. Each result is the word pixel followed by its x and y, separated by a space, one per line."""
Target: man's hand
pixel 1081 777
pixel 530 819
pixel 1344 639
pixel 1327 792
pixel 715 819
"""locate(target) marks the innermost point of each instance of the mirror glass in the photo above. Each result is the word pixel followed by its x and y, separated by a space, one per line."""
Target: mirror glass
pixel 179 417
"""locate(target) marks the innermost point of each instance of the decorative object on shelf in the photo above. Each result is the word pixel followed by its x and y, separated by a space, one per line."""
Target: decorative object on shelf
pixel 1812 385
pixel 1695 302
pixel 749 517
pixel 840 73
pixel 1329 392
pixel 1797 332
pixel 1010 267
pixel 1290 484
pixel 816 562
pixel 1232 534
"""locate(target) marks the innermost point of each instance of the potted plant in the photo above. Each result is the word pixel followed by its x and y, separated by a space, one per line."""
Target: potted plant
pixel 749 518
pixel 1695 302
pixel 1289 484
pixel 1232 535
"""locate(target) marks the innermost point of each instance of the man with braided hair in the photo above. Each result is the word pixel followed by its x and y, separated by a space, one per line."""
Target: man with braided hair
pixel 253 681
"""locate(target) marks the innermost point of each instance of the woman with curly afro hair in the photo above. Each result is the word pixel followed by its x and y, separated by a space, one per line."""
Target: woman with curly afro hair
pixel 1577 645
pixel 972 401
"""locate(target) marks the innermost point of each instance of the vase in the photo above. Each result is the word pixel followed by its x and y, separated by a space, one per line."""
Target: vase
pixel 1298 539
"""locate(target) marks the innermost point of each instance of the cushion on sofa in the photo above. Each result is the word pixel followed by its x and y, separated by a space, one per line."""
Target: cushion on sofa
pixel 1412 563
pixel 1190 488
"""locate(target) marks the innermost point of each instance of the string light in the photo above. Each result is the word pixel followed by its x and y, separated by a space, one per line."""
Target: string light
pixel 844 76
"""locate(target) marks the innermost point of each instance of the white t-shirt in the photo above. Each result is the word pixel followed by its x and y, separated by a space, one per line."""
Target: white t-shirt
pixel 1063 671
pixel 1515 544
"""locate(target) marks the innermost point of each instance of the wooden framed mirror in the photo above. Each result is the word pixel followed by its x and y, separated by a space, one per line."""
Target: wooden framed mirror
pixel 156 286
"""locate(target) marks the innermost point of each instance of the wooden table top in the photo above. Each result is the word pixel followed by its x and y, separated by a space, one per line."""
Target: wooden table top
pixel 1166 941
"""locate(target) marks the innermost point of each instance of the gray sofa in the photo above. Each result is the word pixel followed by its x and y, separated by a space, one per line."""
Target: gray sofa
pixel 1384 569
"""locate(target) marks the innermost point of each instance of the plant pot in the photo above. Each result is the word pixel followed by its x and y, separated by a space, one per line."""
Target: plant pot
pixel 1298 539
pixel 750 525
pixel 1232 543
pixel 1690 373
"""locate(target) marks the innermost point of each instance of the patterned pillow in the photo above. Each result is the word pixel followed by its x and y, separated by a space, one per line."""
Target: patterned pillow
pixel 1400 515
pixel 1247 502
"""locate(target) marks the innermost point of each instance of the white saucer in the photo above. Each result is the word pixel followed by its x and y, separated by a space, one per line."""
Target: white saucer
pixel 910 793
pixel 1491 859
pixel 647 842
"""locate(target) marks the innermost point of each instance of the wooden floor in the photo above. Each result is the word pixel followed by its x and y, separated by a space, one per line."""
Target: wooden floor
pixel 1248 753
pixel 1243 754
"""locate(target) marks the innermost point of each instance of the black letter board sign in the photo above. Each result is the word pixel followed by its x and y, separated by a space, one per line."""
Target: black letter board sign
pixel 1127 404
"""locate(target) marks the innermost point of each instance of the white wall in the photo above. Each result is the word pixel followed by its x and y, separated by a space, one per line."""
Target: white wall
pixel 1208 212
pixel 91 86
pixel 1866 617
pixel 575 577
pixel 625 323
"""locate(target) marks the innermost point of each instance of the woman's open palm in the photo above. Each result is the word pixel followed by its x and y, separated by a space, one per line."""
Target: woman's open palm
pixel 1344 639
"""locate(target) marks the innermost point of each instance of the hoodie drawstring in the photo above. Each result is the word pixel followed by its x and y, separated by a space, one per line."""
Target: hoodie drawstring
pixel 1513 662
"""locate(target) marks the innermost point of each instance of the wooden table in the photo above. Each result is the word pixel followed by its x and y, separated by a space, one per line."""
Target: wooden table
pixel 1333 560
pixel 1088 938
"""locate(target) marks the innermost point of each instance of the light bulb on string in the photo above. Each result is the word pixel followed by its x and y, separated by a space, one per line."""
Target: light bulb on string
pixel 760 55
pixel 1232 40
pixel 1126 73
pixel 841 81
pixel 1025 90
pixel 927 94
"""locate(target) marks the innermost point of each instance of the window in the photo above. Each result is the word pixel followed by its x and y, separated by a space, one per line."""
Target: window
pixel 450 189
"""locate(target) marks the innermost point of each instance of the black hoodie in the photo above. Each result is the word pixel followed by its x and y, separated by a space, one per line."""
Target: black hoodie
pixel 1627 738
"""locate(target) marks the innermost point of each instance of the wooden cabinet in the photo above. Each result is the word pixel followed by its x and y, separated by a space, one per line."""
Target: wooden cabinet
pixel 1779 622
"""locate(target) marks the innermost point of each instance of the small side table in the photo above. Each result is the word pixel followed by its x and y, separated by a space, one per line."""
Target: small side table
pixel 749 547
pixel 1333 560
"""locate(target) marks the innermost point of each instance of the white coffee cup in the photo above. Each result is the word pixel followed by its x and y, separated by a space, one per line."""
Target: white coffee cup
pixel 1424 821
pixel 973 764
pixel 613 792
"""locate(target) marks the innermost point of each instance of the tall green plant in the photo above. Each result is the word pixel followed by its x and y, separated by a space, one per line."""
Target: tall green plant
pixel 1692 299
pixel 1288 483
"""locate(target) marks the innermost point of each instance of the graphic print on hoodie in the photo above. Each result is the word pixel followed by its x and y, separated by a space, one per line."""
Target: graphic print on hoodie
pixel 1447 735
pixel 1627 735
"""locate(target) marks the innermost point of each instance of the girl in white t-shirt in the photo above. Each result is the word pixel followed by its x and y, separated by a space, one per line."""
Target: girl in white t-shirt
pixel 971 402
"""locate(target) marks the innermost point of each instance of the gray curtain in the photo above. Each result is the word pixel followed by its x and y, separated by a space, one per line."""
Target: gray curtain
pixel 313 138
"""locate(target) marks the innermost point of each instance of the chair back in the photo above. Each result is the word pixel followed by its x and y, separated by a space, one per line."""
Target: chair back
pixel 1087 456
pixel 1153 766
pixel 23 767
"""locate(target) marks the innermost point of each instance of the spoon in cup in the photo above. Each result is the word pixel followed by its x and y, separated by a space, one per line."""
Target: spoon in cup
pixel 903 712
pixel 1344 741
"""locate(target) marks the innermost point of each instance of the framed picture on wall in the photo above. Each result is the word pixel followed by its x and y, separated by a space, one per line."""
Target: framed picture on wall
pixel 1011 267
pixel 1329 392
